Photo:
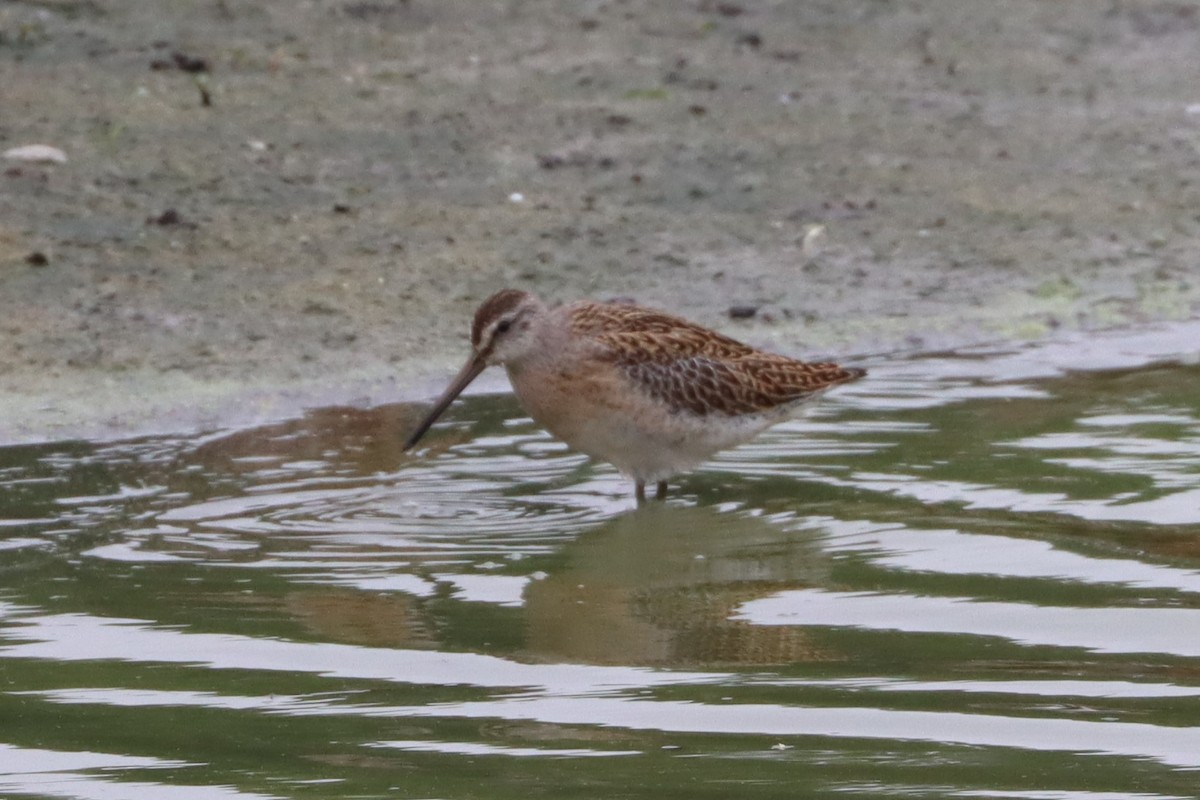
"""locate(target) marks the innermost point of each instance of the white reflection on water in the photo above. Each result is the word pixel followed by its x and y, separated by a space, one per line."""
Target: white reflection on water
pixel 1067 795
pixel 1180 508
pixel 503 590
pixel 1175 746
pixel 952 552
pixel 127 551
pixel 403 582
pixel 1096 689
pixel 21 543
pixel 1103 630
pixel 154 698
pixel 56 773
pixel 1120 444
pixel 1065 690
pixel 1048 794
pixel 477 749
pixel 24 759
pixel 1170 745
pixel 83 637
pixel 1068 352
pixel 122 495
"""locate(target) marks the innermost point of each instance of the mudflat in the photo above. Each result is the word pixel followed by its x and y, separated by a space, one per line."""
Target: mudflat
pixel 272 205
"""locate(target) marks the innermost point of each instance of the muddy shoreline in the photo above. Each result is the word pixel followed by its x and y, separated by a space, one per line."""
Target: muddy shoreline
pixel 867 176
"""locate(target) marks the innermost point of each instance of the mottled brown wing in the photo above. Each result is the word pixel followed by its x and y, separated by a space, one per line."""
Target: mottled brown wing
pixel 750 384
pixel 643 333
pixel 692 368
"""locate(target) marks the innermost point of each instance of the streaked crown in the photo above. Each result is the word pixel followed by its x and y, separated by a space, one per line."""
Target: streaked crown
pixel 500 331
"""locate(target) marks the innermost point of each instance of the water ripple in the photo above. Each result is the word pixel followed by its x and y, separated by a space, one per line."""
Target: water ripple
pixel 1100 630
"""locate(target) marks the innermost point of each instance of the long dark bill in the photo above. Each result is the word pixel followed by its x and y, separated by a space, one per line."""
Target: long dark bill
pixel 468 373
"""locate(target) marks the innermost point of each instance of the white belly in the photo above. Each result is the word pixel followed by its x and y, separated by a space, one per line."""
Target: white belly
pixel 599 416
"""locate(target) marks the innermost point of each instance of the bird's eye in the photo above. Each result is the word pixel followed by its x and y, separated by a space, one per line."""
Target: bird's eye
pixel 503 326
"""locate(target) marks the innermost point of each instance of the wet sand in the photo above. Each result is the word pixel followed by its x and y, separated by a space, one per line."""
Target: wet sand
pixel 276 205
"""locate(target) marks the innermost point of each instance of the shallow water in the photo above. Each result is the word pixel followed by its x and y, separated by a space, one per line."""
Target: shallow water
pixel 971 575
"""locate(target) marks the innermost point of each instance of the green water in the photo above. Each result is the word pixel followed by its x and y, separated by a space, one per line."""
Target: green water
pixel 975 575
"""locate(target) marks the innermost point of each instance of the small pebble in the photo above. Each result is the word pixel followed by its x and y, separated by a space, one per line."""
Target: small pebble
pixel 168 217
pixel 742 312
pixel 516 197
pixel 812 240
pixel 189 63
pixel 37 259
pixel 36 153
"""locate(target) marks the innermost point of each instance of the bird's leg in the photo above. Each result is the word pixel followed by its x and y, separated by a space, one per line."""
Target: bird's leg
pixel 661 492
pixel 640 491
